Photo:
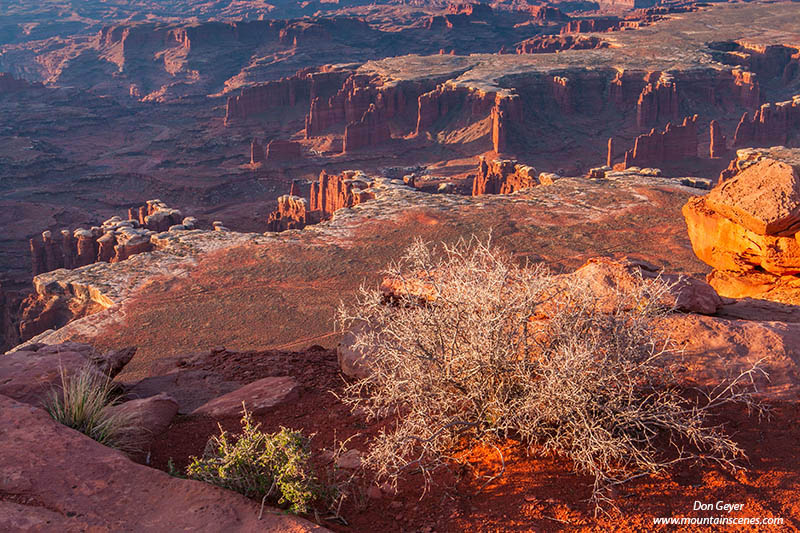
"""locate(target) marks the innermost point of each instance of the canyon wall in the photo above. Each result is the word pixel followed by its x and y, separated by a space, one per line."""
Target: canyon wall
pixel 658 147
pixel 769 125
pixel 301 88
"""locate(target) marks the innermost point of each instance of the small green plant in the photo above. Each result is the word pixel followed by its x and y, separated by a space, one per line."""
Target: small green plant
pixel 272 466
pixel 83 404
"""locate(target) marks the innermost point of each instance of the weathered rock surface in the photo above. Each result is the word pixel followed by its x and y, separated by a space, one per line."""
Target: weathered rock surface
pixel 655 148
pixel 257 397
pixel 115 240
pixel 502 176
pixel 73 483
pixel 149 417
pixel 747 227
pixel 31 373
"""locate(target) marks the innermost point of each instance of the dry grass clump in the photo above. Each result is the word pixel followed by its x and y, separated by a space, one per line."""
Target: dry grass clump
pixel 494 351
pixel 83 404
pixel 271 466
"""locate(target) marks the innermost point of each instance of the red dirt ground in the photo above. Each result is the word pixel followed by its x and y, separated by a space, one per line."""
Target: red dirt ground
pixel 535 493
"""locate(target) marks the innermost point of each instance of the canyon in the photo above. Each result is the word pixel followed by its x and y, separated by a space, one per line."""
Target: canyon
pixel 205 183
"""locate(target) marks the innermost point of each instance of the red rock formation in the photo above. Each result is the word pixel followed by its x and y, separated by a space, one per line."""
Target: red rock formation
pixel 257 152
pixel 656 148
pixel 114 241
pixel 436 104
pixel 590 25
pixel 281 150
pixel 471 9
pixel 328 194
pixel 546 44
pixel 547 13
pixel 354 98
pixel 302 87
pixel 610 154
pixel 371 130
pixel 292 213
pixel 717 146
pixel 338 191
pixel 502 176
pixel 657 102
pixel 746 228
pixel 562 92
pixel 507 110
pixel 746 87
pixel 771 124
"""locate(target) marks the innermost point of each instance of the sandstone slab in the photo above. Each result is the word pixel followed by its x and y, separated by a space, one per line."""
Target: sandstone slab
pixel 76 484
pixel 150 416
pixel 29 375
pixel 257 397
pixel 764 198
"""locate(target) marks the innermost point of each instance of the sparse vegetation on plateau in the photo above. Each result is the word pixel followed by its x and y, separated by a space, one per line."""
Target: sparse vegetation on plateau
pixel 271 466
pixel 83 403
pixel 473 348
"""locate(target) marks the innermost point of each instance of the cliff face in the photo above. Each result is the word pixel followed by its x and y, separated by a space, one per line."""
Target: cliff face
pixel 299 89
pixel 371 130
pixel 657 147
pixel 658 102
pixel 771 124
pixel 748 227
pixel 113 241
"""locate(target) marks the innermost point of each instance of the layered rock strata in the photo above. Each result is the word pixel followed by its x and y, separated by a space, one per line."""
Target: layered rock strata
pixel 769 125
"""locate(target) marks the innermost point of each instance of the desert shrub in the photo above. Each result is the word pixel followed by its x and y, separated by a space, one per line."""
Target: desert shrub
pixel 473 348
pixel 83 404
pixel 270 466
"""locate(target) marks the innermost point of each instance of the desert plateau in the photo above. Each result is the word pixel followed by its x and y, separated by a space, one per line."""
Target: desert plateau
pixel 399 266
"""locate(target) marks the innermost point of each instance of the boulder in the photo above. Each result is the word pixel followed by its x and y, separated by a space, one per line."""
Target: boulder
pixel 258 397
pixel 764 198
pixel 150 416
pixel 30 374
pixel 68 482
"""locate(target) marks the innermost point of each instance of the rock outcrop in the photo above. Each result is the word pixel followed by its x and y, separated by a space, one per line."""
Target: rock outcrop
pixel 114 240
pixel 337 191
pixel 656 148
pixel 658 102
pixel 718 146
pixel 547 44
pixel 770 125
pixel 747 228
pixel 326 195
pixel 298 89
pixel 257 397
pixel 61 480
pixel 31 373
pixel 292 213
pixel 370 130
pixel 502 176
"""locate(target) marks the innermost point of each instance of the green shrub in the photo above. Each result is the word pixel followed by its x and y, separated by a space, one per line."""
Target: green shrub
pixel 83 404
pixel 271 466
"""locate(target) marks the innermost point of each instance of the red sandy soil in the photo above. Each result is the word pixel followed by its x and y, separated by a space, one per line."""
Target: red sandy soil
pixel 283 296
pixel 534 493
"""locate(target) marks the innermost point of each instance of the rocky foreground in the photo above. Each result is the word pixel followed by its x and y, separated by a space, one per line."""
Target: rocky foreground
pixel 216 294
